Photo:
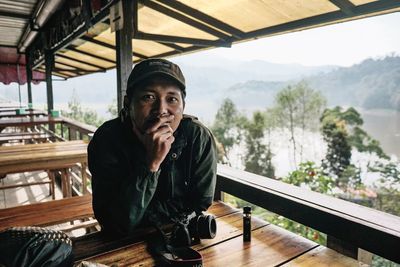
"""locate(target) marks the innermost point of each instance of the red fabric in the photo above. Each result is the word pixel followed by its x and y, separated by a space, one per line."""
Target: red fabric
pixel 9 60
pixel 9 74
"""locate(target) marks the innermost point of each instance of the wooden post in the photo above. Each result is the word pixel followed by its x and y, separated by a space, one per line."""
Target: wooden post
pixel 49 61
pixel 29 76
pixel 124 50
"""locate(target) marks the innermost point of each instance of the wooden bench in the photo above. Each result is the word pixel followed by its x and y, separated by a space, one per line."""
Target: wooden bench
pixel 47 213
pixel 33 137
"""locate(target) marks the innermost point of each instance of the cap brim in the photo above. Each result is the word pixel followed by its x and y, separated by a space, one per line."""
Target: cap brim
pixel 149 74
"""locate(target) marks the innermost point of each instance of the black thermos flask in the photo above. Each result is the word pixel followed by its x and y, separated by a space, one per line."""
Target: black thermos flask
pixel 246 224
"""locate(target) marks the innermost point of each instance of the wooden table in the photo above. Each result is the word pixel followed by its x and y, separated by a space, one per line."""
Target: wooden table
pixel 270 246
pixel 14 114
pixel 46 156
pixel 28 121
pixel 47 213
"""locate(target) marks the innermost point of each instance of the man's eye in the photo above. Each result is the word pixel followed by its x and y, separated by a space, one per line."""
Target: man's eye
pixel 148 97
pixel 173 99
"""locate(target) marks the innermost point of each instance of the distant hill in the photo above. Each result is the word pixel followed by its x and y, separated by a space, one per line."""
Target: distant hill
pixel 372 84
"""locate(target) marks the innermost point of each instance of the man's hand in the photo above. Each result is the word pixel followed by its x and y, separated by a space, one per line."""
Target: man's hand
pixel 157 140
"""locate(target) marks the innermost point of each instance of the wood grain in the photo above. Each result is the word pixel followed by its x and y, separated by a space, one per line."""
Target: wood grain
pixel 47 213
pixel 322 257
pixel 270 246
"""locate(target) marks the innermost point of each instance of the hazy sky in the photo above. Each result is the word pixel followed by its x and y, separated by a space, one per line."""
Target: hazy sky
pixel 340 44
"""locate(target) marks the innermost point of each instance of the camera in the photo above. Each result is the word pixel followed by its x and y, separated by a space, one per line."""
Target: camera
pixel 190 228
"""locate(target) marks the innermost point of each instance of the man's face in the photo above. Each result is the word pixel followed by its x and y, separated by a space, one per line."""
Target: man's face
pixel 159 99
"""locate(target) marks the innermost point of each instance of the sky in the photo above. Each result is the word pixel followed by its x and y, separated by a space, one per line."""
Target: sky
pixel 342 44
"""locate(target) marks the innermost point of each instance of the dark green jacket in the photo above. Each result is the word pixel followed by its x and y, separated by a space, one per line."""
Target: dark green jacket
pixel 126 193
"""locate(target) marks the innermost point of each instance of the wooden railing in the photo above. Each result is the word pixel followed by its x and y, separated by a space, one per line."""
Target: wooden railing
pixel 349 227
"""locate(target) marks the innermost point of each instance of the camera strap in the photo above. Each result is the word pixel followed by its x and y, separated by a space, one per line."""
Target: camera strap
pixel 174 256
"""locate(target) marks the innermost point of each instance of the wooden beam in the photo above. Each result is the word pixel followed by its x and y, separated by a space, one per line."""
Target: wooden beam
pixel 180 17
pixel 377 6
pixel 179 39
pixel 78 69
pixel 100 16
pixel 346 6
pixel 107 45
pixel 173 46
pixel 123 40
pixel 236 33
pixel 80 61
pixel 73 48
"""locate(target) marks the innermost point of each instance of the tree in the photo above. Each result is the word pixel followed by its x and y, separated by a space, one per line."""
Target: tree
pixel 342 131
pixel 298 106
pixel 225 127
pixel 76 112
pixel 258 158
pixel 113 109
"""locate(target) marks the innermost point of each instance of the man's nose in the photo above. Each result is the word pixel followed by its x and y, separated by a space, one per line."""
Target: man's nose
pixel 161 107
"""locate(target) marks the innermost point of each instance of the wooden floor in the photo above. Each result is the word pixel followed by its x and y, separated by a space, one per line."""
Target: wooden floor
pixel 28 194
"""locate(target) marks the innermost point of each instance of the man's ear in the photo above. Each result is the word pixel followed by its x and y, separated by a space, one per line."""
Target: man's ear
pixel 126 102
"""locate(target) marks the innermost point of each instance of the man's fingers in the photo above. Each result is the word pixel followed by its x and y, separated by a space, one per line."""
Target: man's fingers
pixel 159 122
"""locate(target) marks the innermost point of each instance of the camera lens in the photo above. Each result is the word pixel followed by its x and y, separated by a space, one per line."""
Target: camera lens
pixel 206 226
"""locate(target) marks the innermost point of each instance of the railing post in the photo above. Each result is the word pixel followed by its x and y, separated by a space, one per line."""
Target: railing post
pixel 218 194
pixel 349 250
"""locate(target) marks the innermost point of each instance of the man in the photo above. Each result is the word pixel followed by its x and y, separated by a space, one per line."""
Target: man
pixel 152 163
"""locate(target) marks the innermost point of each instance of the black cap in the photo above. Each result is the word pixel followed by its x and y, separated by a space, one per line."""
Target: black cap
pixel 152 66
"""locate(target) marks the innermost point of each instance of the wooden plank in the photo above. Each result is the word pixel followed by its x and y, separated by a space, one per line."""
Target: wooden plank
pixel 270 246
pixel 47 213
pixel 45 146
pixel 32 121
pixel 13 114
pixel 36 136
pixel 322 256
pixel 43 206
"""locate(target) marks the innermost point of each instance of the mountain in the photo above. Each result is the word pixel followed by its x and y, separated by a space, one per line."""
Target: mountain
pixel 372 84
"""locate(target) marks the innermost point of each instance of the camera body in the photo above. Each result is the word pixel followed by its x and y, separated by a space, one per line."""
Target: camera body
pixel 192 227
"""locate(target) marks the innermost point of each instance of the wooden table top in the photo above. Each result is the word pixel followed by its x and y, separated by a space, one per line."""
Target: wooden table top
pixel 21 158
pixel 14 114
pixel 28 121
pixel 47 213
pixel 270 246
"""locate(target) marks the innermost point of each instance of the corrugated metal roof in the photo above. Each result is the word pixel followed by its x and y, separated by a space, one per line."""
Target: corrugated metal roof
pixel 14 18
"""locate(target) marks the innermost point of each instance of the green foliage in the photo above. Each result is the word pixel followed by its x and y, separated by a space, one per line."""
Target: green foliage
pixel 388 198
pixel 224 127
pixel 113 108
pixel 312 176
pixel 258 157
pixel 338 153
pixel 77 113
pixel 341 131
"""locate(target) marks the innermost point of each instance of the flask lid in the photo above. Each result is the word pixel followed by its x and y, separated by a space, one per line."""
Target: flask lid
pixel 247 209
